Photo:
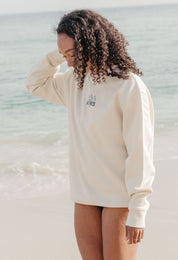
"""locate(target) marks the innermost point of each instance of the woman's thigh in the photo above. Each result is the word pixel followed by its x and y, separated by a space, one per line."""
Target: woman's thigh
pixel 115 247
pixel 88 231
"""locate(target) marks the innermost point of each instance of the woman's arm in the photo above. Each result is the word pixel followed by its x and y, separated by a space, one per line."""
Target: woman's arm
pixel 44 82
pixel 138 134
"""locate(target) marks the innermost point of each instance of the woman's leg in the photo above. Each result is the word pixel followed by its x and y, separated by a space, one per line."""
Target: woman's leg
pixel 115 247
pixel 87 223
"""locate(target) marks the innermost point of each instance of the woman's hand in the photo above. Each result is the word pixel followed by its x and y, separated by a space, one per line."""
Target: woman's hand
pixel 134 234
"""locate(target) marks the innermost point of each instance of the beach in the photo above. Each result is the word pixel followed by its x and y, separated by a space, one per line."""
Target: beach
pixel 42 227
pixel 36 219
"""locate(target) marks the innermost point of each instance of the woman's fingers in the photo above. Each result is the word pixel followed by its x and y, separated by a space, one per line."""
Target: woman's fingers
pixel 139 237
pixel 134 235
pixel 142 233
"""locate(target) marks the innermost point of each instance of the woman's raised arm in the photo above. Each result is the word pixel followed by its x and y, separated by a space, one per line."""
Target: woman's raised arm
pixel 44 82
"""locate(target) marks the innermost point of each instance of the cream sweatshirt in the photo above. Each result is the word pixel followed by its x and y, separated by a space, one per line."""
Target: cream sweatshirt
pixel 111 132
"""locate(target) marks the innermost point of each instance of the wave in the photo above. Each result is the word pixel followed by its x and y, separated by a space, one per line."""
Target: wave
pixel 18 180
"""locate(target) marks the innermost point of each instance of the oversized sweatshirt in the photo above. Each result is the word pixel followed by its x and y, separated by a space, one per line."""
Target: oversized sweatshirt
pixel 111 133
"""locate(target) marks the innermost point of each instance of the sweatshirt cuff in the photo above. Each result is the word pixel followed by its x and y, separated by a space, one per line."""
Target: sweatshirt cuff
pixel 136 218
pixel 55 58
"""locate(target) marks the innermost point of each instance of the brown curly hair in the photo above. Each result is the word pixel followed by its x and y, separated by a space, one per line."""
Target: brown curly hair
pixel 98 39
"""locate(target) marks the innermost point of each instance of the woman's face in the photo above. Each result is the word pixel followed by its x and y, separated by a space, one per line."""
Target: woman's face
pixel 66 47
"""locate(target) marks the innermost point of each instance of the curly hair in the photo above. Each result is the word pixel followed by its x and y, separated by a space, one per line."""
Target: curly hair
pixel 97 39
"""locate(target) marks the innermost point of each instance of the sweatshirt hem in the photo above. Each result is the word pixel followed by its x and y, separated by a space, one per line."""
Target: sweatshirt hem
pixel 102 204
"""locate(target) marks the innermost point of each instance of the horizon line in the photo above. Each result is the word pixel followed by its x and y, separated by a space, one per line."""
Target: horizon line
pixel 97 8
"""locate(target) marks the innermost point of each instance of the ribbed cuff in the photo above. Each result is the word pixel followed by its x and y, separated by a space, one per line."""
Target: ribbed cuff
pixel 136 218
pixel 55 58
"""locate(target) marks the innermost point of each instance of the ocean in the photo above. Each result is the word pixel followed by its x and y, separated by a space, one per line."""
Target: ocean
pixel 34 133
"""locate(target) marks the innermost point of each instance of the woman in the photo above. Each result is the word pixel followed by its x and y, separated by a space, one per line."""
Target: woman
pixel 111 126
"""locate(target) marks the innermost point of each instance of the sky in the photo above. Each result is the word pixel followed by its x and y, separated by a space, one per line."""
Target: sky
pixel 24 6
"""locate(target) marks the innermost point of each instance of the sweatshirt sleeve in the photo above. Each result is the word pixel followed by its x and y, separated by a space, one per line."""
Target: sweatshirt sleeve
pixel 44 82
pixel 138 135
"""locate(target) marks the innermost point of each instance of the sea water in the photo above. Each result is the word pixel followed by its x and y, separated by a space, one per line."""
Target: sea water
pixel 33 132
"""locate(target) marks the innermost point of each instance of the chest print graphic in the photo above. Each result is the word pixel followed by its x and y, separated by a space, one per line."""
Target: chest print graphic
pixel 91 100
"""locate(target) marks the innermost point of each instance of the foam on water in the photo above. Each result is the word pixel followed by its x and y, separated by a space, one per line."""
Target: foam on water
pixel 32 168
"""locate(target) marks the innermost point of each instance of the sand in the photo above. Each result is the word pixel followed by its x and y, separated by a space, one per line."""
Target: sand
pixel 38 229
pixel 42 228
pixel 161 232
